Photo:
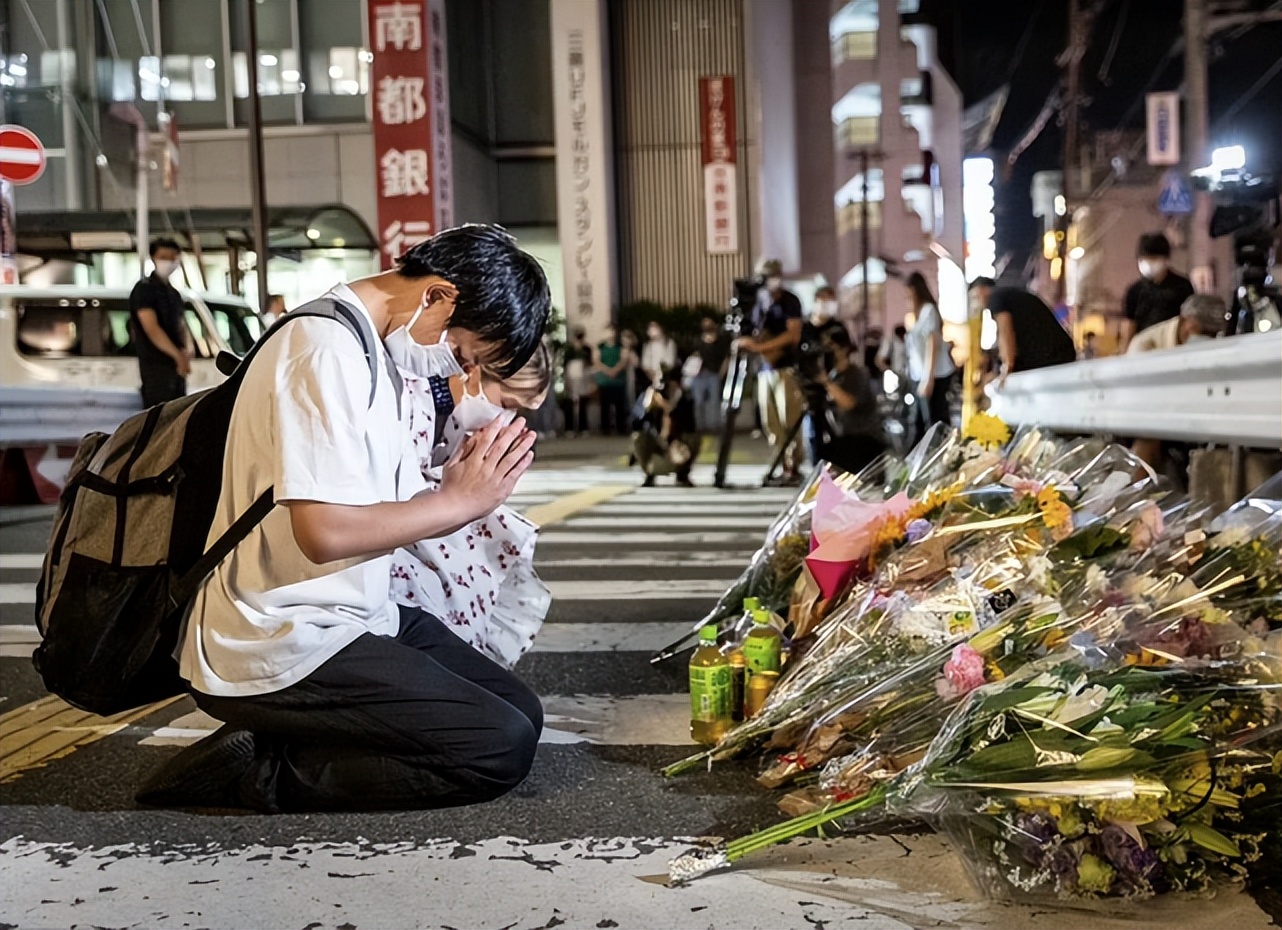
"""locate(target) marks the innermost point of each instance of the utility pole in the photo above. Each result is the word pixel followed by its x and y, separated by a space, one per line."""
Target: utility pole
pixel 258 183
pixel 865 249
pixel 1196 155
pixel 1076 48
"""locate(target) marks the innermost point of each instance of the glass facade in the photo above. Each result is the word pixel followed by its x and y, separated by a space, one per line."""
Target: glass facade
pixel 188 56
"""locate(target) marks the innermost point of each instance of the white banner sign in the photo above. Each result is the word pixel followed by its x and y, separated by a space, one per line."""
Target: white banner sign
pixel 720 195
pixel 584 181
pixel 1163 129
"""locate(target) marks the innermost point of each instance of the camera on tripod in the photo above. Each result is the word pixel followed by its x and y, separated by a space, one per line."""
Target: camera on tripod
pixel 1247 208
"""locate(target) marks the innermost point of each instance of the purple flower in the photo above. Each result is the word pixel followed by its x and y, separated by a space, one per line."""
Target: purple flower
pixel 1034 830
pixel 918 529
pixel 1137 864
pixel 1062 863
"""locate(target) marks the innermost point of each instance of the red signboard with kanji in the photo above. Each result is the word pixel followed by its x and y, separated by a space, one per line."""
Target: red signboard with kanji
pixel 720 190
pixel 411 122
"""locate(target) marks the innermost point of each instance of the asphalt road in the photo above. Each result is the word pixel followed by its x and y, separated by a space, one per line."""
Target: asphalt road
pixel 571 847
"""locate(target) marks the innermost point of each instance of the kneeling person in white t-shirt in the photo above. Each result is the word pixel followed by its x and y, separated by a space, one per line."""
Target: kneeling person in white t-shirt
pixel 335 698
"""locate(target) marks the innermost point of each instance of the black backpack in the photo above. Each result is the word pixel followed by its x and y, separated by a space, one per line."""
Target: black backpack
pixel 127 553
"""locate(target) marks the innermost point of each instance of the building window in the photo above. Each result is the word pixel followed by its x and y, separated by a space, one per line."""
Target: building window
pixel 850 216
pixel 279 75
pixel 860 130
pixel 855 46
pixel 337 72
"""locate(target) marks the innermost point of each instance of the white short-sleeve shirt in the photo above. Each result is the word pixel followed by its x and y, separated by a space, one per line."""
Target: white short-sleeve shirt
pixel 302 424
pixel 929 328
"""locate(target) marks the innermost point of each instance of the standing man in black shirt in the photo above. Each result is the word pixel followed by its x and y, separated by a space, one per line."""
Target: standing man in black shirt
pixel 1028 335
pixel 1159 293
pixel 159 331
pixel 777 322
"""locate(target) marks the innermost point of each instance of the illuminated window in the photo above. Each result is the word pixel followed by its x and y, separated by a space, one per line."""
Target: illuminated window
pixel 850 216
pixel 860 130
pixel 855 46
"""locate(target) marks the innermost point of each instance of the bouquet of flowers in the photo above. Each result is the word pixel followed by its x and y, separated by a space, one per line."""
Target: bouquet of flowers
pixel 1084 783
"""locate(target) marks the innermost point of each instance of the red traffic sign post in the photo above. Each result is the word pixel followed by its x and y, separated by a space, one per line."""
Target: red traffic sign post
pixel 22 157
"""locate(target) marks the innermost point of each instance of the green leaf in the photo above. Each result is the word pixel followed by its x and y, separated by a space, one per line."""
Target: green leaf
pixel 1004 700
pixel 1211 839
pixel 1090 543
pixel 1106 757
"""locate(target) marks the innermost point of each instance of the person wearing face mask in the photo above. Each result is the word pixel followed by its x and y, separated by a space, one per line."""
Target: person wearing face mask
pixel 159 330
pixel 658 355
pixel 777 325
pixel 480 580
pixel 1159 293
pixel 335 697
pixel 1028 335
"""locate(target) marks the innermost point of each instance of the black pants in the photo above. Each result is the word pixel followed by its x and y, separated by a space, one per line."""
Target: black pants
pixel 614 409
pixel 418 721
pixel 934 408
pixel 160 382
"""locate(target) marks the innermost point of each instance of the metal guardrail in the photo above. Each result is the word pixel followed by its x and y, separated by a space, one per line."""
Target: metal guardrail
pixel 32 416
pixel 1225 392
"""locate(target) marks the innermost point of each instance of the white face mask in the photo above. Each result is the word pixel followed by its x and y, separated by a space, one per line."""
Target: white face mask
pixel 825 310
pixel 165 268
pixel 425 361
pixel 1152 269
pixel 774 284
pixel 473 412
pixel 1198 337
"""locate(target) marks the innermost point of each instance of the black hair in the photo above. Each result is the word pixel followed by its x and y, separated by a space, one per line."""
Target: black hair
pixel 158 244
pixel 1153 244
pixel 825 289
pixel 981 282
pixel 839 338
pixel 901 331
pixel 503 295
pixel 920 289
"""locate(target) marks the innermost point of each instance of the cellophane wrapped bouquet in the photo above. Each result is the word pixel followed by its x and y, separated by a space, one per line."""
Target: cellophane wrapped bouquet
pixel 1042 555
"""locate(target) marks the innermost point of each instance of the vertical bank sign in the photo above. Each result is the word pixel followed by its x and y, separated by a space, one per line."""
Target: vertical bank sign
pixel 720 193
pixel 584 169
pixel 411 122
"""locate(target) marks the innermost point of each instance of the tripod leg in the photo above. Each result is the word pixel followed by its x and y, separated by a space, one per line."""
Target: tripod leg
pixel 793 430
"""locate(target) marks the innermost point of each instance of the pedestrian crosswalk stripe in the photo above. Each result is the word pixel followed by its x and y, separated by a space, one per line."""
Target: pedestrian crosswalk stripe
pixel 17 594
pixel 19 561
pixel 637 720
pixel 619 522
pixel 642 638
pixel 658 558
pixel 652 589
pixel 671 538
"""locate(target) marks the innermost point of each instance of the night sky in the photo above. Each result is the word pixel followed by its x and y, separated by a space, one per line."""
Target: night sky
pixel 978 41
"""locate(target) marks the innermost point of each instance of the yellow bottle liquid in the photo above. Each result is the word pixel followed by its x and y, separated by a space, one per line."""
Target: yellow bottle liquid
pixel 763 646
pixel 711 689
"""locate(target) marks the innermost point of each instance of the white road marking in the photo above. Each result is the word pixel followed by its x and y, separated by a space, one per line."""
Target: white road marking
pixel 655 559
pixel 662 520
pixel 652 589
pixel 852 883
pixel 17 593
pixel 623 540
pixel 638 720
pixel 643 637
pixel 21 560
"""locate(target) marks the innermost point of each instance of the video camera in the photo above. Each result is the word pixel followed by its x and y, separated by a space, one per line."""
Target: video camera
pixel 1247 208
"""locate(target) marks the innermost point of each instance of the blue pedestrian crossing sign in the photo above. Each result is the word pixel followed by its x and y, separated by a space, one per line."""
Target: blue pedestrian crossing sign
pixel 1176 196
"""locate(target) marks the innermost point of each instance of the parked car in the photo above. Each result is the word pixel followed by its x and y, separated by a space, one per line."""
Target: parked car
pixel 80 336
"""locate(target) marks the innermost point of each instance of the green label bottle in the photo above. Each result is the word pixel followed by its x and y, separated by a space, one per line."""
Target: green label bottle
pixel 711 690
pixel 763 646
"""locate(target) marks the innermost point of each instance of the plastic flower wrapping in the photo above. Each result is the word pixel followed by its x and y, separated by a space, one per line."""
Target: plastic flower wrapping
pixel 1038 596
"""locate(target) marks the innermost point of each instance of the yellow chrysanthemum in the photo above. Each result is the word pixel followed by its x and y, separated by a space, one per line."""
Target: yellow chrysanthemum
pixel 987 430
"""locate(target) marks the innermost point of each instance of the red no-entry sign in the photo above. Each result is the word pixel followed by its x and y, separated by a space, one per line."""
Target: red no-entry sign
pixel 22 157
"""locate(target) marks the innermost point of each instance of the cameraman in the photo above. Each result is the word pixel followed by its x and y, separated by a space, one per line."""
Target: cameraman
pixel 777 323
pixel 860 438
pixel 814 357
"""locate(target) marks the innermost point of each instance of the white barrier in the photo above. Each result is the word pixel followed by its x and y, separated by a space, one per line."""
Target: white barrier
pixel 1226 392
pixel 35 416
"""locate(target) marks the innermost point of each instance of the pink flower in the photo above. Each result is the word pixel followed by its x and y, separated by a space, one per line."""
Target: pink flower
pixel 963 673
pixel 1148 527
pixel 1022 486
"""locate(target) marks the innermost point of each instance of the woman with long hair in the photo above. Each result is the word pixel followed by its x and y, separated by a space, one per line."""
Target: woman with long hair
pixel 930 366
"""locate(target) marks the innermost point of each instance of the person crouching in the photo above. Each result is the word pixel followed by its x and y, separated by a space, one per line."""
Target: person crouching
pixel 666 441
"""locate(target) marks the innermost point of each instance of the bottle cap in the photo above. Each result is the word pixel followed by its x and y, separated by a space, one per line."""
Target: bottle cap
pixel 708 634
pixel 751 603
pixel 761 617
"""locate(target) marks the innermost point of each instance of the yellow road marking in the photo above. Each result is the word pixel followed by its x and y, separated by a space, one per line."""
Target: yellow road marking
pixel 49 729
pixel 565 507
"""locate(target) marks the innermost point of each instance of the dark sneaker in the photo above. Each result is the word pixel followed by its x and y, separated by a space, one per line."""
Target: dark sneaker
pixel 648 482
pixel 206 774
pixel 684 481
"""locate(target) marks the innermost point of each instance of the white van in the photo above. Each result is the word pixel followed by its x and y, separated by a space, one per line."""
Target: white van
pixel 79 337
